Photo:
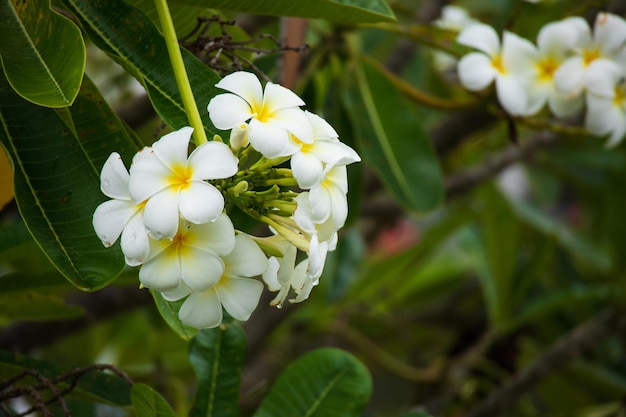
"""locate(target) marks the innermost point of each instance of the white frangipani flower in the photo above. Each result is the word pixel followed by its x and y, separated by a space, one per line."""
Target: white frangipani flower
pixel 454 19
pixel 174 185
pixel 282 275
pixel 502 64
pixel 272 114
pixel 607 42
pixel 606 101
pixel 328 197
pixel 235 290
pixel 192 257
pixel 553 43
pixel 307 164
pixel 121 215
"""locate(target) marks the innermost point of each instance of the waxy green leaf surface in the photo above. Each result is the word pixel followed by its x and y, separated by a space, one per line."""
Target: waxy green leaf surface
pixel 43 53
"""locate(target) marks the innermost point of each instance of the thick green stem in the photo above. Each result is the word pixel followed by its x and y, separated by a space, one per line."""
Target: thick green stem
pixel 182 81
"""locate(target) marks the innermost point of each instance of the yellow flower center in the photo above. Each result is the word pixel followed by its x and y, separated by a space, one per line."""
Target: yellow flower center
pixel 590 55
pixel 620 96
pixel 546 68
pixel 497 63
pixel 180 177
pixel 261 112
pixel 304 147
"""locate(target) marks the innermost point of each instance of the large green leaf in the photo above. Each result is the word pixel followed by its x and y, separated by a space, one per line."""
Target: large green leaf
pixel 393 140
pixel 500 232
pixel 36 306
pixel 42 52
pixel 57 189
pixel 134 41
pixel 325 382
pixel 343 11
pixel 149 403
pixel 93 385
pixel 216 355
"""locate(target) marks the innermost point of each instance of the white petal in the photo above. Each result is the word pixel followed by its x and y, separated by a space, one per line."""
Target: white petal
pixel 172 148
pixel 277 97
pixel 556 38
pixel 512 95
pixel 569 78
pixel 339 208
pixel 299 277
pixel 269 139
pixel 114 178
pixel 307 169
pixel 162 272
pixel 213 160
pixel 338 176
pixel 321 205
pixel 482 37
pixel 334 153
pixel 321 128
pixel 135 242
pixel 200 202
pixel 176 294
pixel 160 215
pixel 601 116
pixel 148 175
pixel 244 84
pixel 475 71
pixel 609 31
pixel 217 236
pixel 302 214
pixel 317 259
pixel 294 121
pixel 563 106
pixel 228 110
pixel 519 55
pixel 602 76
pixel 270 276
pixel 200 270
pixel 617 135
pixel 239 296
pixel 285 273
pixel 238 137
pixel 110 218
pixel 201 310
pixel 246 259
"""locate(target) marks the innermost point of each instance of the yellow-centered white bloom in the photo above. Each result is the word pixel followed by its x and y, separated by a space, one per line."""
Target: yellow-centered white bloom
pixel 272 115
pixel 495 62
pixel 606 42
pixel 235 290
pixel 192 257
pixel 174 186
pixel 606 101
pixel 120 215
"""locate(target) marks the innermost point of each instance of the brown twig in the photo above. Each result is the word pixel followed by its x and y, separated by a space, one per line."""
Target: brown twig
pixel 568 347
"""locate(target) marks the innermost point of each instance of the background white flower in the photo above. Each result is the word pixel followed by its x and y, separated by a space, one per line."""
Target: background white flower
pixel 606 101
pixel 174 185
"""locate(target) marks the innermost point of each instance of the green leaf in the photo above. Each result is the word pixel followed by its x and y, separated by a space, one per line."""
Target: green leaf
pixel 134 41
pixel 216 355
pixel 36 306
pixel 149 403
pixel 500 238
pixel 42 52
pixel 57 188
pixel 343 11
pixel 393 140
pixel 169 312
pixel 325 382
pixel 93 385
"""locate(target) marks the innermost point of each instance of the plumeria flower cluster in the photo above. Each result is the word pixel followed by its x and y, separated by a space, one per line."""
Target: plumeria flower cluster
pixel 571 67
pixel 169 210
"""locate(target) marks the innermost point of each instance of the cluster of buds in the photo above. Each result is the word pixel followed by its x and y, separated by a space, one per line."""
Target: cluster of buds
pixel 168 210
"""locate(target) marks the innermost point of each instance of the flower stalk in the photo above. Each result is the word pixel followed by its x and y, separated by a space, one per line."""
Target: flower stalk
pixel 182 81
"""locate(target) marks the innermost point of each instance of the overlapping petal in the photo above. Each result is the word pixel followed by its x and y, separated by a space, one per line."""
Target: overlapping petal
pixel 476 71
pixel 240 296
pixel 201 310
pixel 200 203
pixel 482 37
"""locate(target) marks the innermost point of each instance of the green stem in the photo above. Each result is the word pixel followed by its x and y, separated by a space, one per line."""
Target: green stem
pixel 182 81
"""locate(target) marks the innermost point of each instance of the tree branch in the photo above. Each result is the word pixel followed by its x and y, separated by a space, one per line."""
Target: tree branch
pixel 568 347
